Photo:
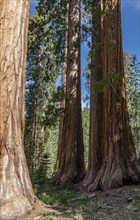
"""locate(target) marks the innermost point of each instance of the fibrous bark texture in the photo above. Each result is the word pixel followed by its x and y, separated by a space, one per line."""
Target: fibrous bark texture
pixel 61 147
pixel 70 160
pixel 16 195
pixel 96 98
pixel 112 160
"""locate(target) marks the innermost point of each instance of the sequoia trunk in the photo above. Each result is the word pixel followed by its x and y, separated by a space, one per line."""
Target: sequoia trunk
pixel 16 195
pixel 61 147
pixel 71 148
pixel 96 97
pixel 118 161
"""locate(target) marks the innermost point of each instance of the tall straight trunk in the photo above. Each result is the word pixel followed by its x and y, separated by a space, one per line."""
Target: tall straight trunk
pixel 61 147
pixel 119 163
pixel 16 195
pixel 96 97
pixel 71 147
pixel 41 142
pixel 32 162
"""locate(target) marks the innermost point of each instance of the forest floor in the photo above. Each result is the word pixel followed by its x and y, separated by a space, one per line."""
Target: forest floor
pixel 69 203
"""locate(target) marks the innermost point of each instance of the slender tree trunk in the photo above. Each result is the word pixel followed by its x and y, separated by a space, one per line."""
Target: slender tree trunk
pixel 71 146
pixel 118 161
pixel 33 157
pixel 41 142
pixel 16 195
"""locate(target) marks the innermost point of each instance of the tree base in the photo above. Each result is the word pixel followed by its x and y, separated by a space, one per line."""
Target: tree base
pixel 110 177
pixel 62 178
pixel 16 208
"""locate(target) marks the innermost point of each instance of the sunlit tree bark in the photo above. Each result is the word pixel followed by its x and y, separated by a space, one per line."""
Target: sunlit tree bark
pixel 113 158
pixel 96 97
pixel 16 195
pixel 61 147
pixel 71 149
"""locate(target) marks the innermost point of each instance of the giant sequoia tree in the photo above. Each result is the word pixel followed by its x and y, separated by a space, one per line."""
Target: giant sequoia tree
pixel 112 156
pixel 70 160
pixel 96 98
pixel 61 146
pixel 16 195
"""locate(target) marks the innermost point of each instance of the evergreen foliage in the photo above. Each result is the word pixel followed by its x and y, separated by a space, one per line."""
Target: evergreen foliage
pixel 85 118
pixel 132 74
pixel 43 93
pixel 51 145
pixel 55 34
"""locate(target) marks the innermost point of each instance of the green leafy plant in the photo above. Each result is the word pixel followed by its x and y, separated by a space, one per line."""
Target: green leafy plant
pixel 49 217
pixel 78 217
pixel 136 203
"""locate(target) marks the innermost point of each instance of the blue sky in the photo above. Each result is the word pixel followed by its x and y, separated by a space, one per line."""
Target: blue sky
pixel 130 25
pixel 130 10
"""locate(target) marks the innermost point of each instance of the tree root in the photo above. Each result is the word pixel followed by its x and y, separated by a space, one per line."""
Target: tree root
pixel 112 176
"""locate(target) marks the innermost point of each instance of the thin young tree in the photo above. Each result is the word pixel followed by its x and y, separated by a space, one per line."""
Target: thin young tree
pixel 70 160
pixel 112 159
pixel 16 195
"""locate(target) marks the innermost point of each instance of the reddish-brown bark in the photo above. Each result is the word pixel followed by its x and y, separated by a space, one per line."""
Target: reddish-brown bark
pixel 111 146
pixel 70 160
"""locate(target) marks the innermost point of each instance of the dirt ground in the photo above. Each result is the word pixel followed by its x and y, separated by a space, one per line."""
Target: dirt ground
pixel 116 204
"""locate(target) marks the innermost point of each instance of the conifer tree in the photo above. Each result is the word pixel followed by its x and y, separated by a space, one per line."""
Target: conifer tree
pixel 43 66
pixel 132 76
pixel 70 162
pixel 16 195
pixel 112 155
